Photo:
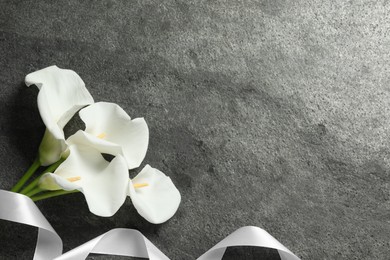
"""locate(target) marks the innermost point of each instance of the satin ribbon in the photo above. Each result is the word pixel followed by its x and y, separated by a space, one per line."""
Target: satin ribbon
pixel 120 241
pixel 19 208
pixel 248 236
pixel 126 242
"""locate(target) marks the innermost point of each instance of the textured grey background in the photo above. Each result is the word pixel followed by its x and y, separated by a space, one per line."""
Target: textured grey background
pixel 266 113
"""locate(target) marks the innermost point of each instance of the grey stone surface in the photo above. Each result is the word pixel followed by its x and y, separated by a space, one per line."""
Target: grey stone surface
pixel 265 113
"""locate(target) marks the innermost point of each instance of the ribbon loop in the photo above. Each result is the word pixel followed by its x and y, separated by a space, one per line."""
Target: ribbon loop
pixel 120 241
pixel 126 242
pixel 21 209
pixel 248 236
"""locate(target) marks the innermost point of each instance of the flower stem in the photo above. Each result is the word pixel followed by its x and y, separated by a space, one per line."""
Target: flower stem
pixel 27 175
pixel 33 192
pixel 51 194
pixel 34 183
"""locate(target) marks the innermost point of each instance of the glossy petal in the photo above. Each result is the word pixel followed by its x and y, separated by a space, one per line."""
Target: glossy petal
pixel 61 94
pixel 158 201
pixel 109 127
pixel 103 146
pixel 104 184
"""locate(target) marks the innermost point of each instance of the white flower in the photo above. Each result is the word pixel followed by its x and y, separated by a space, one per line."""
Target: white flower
pixel 110 130
pixel 154 195
pixel 61 94
pixel 104 184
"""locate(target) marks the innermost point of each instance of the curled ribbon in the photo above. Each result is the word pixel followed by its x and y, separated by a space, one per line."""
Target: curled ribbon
pixel 120 241
pixel 126 242
pixel 248 236
pixel 19 208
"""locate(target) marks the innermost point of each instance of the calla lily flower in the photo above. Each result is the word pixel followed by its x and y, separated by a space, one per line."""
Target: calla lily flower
pixel 154 195
pixel 104 184
pixel 61 94
pixel 110 130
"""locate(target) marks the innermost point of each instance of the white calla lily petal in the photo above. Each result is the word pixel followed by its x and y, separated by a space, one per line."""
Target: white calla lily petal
pixel 110 123
pixel 51 181
pixel 104 184
pixel 61 94
pixel 103 146
pixel 157 199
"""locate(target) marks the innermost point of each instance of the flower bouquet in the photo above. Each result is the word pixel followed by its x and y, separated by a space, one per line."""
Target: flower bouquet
pixel 79 163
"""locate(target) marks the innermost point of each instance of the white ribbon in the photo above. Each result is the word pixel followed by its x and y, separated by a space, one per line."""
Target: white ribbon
pixel 248 236
pixel 19 208
pixel 120 241
pixel 126 242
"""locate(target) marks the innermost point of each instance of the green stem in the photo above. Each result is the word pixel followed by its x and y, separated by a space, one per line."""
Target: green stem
pixel 27 175
pixel 34 191
pixel 51 194
pixel 34 183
